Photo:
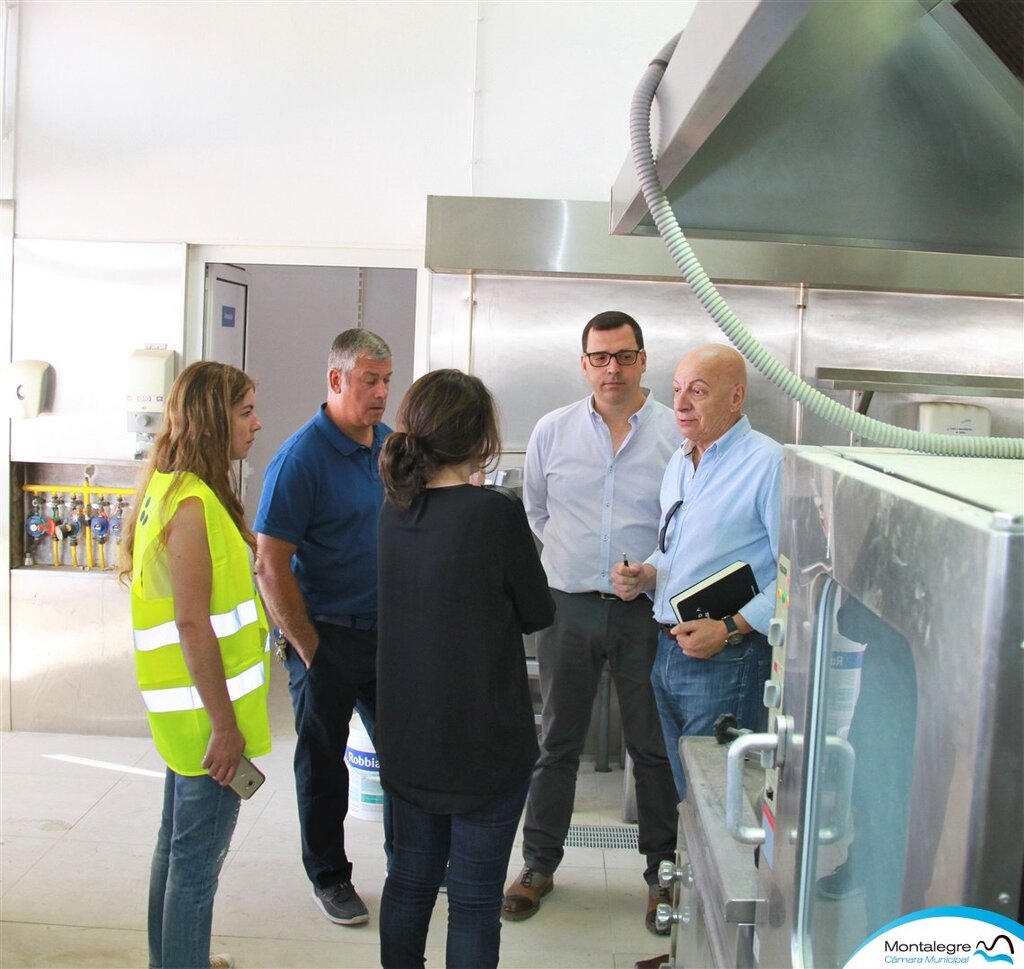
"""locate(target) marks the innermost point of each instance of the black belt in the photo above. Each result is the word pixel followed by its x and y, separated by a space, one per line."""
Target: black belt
pixel 363 624
pixel 607 596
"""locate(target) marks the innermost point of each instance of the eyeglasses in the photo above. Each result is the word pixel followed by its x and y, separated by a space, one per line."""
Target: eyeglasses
pixel 663 534
pixel 601 358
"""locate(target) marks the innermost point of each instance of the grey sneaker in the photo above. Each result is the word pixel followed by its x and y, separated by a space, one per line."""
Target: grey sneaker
pixel 341 904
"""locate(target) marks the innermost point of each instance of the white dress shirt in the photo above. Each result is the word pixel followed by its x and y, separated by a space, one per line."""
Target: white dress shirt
pixel 587 505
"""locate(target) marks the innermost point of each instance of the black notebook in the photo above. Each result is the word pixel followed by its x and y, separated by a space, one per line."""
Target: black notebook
pixel 717 596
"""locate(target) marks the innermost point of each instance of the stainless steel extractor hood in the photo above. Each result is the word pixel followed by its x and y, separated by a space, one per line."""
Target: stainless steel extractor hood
pixel 868 123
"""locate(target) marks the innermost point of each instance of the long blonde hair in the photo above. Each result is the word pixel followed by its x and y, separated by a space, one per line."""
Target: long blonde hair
pixel 195 437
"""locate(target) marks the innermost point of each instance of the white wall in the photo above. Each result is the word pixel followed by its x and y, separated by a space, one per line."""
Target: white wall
pixel 316 123
pixel 84 307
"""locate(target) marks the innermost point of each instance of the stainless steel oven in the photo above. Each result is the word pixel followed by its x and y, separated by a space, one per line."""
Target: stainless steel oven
pixel 893 755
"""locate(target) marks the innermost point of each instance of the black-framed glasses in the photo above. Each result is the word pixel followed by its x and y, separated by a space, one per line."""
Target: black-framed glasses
pixel 601 358
pixel 663 534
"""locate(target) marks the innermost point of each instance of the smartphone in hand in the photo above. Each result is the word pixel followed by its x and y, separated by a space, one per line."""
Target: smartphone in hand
pixel 247 779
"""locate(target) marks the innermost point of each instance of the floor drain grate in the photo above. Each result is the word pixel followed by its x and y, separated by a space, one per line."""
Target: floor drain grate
pixel 601 836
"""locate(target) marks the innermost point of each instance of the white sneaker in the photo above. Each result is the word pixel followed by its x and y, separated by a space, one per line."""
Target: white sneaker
pixel 222 960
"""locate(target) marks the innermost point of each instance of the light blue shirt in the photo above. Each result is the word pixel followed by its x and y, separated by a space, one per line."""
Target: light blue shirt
pixel 730 513
pixel 587 505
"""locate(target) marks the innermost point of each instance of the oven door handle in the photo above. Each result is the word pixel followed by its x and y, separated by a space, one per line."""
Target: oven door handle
pixel 846 761
pixel 748 834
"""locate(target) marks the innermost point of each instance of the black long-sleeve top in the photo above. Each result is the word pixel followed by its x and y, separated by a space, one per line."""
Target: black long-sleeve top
pixel 460 581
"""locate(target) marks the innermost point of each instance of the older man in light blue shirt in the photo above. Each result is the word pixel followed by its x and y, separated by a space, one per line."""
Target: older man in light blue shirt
pixel 591 493
pixel 720 503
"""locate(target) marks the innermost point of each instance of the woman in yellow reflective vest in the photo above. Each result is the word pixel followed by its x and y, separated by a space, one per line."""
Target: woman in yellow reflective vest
pixel 200 636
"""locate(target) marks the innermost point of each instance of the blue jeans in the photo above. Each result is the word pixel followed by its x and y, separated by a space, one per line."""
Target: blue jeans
pixel 475 848
pixel 196 825
pixel 692 693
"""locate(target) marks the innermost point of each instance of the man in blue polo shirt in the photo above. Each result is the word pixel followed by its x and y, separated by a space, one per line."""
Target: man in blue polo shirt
pixel 317 568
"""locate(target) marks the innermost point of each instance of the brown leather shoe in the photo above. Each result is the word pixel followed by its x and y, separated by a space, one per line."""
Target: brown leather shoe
pixel 655 896
pixel 522 898
pixel 655 962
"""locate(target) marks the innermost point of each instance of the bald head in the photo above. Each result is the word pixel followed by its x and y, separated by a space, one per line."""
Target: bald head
pixel 726 363
pixel 709 387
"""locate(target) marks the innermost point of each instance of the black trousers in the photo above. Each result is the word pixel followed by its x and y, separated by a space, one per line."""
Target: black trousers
pixel 342 678
pixel 571 653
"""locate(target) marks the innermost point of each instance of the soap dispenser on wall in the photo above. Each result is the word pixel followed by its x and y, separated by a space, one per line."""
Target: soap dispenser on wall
pixel 29 389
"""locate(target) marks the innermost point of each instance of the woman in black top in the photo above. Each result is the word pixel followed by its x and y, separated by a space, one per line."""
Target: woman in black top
pixel 460 582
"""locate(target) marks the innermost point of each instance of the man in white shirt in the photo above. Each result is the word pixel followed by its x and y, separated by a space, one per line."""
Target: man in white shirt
pixel 720 503
pixel 592 475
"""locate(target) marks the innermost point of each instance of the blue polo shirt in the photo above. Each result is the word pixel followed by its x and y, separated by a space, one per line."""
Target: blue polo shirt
pixel 322 493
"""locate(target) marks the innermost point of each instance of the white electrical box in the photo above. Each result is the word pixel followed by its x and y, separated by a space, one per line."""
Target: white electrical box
pixel 150 375
pixel 949 417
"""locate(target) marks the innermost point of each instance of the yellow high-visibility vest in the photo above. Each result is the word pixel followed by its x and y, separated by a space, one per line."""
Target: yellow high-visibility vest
pixel 179 724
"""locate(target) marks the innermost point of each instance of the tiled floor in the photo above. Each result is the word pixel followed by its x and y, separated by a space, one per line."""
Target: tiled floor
pixel 78 818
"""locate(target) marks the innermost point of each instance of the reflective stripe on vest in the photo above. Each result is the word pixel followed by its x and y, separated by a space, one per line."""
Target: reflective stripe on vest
pixel 224 624
pixel 178 698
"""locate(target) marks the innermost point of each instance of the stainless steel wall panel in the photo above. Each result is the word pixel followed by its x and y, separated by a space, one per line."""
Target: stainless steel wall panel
pixel 535 236
pixel 526 340
pixel 556 236
pixel 899 331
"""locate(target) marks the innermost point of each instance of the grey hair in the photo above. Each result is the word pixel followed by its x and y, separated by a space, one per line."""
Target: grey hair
pixel 350 345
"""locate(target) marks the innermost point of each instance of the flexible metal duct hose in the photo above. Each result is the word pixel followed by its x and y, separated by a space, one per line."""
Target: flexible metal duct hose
pixel 705 291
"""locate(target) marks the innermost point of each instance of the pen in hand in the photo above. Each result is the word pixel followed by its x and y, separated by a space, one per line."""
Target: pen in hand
pixel 625 561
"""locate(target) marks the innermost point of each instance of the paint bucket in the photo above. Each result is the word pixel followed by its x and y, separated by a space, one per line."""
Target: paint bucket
pixel 365 795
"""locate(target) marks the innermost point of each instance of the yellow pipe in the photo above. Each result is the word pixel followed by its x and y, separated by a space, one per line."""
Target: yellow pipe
pixel 39 488
pixel 87 517
pixel 55 489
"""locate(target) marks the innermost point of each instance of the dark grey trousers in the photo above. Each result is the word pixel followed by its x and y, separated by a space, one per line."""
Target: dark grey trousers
pixel 570 655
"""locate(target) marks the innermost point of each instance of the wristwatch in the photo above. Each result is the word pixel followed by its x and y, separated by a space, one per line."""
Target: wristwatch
pixel 734 637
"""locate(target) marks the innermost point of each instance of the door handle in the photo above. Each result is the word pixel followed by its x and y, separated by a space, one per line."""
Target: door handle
pixel 747 834
pixel 773 748
pixel 846 761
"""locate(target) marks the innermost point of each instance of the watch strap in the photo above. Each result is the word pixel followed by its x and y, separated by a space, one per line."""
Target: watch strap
pixel 733 635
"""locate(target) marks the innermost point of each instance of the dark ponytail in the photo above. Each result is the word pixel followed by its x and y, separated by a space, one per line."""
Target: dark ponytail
pixel 404 467
pixel 447 418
